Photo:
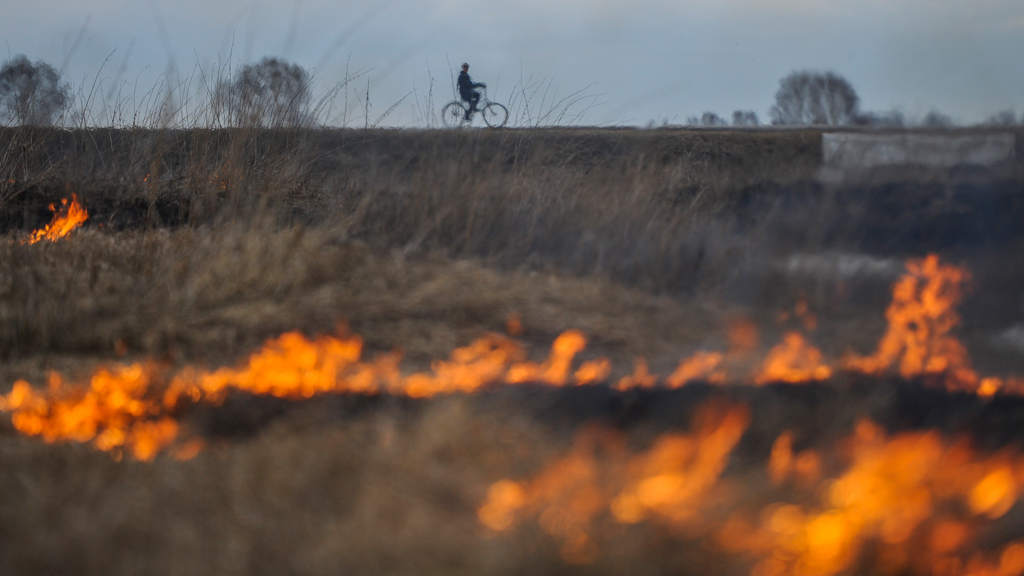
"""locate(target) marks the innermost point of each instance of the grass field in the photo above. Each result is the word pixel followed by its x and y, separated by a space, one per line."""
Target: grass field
pixel 655 244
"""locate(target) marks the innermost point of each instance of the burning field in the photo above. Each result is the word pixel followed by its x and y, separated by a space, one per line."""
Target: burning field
pixel 580 361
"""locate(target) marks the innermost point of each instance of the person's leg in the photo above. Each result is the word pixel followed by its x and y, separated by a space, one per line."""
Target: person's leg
pixel 472 100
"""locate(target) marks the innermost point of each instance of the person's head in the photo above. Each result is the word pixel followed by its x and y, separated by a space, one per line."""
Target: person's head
pixel 465 67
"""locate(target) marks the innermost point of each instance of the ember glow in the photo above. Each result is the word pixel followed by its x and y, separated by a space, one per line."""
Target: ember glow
pixel 65 219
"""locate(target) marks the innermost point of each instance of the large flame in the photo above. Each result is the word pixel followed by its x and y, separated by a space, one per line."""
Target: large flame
pixel 115 412
pixel 669 481
pixel 908 504
pixel 912 503
pixel 918 341
pixel 65 219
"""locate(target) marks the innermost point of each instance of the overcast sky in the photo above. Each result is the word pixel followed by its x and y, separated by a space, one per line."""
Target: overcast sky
pixel 641 61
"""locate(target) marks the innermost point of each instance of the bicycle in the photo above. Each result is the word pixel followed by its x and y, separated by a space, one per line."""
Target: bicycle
pixel 454 113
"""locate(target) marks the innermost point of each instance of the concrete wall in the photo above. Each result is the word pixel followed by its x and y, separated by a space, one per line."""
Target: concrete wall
pixel 845 151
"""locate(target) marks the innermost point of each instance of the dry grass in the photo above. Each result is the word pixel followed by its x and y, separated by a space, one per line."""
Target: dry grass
pixel 390 492
pixel 203 243
pixel 214 295
pixel 385 493
pixel 391 487
pixel 639 207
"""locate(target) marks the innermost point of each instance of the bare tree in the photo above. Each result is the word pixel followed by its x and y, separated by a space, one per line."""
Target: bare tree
pixel 1004 118
pixel 890 119
pixel 32 94
pixel 936 119
pixel 272 92
pixel 712 119
pixel 745 118
pixel 815 98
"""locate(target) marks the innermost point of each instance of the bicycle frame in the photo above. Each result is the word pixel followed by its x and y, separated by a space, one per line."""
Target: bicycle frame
pixel 457 112
pixel 484 101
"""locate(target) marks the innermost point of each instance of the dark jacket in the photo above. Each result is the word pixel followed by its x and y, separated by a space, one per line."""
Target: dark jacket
pixel 466 85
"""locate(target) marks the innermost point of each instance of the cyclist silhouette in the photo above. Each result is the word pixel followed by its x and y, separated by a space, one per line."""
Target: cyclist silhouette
pixel 466 90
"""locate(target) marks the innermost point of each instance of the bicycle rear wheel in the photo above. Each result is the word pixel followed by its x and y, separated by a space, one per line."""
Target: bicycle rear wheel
pixel 495 115
pixel 453 114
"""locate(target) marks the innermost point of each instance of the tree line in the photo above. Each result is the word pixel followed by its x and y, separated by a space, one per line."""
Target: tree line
pixel 271 92
pixel 807 98
pixel 277 93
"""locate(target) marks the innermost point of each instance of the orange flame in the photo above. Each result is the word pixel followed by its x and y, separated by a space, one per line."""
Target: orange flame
pixel 894 489
pixel 702 365
pixel 640 378
pixel 115 412
pixel 917 341
pixel 593 371
pixel 293 366
pixel 470 368
pixel 783 464
pixel 567 498
pixel 118 406
pixel 66 219
pixel 793 361
pixel 912 503
pixel 556 369
pixel 669 481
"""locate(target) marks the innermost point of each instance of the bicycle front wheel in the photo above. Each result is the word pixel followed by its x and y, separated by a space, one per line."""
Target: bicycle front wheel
pixel 495 115
pixel 453 114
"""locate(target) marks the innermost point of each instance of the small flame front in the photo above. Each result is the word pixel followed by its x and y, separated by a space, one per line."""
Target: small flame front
pixel 65 219
pixel 917 342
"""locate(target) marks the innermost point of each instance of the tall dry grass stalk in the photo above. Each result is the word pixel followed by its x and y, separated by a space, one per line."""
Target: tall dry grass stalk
pixel 638 206
pixel 213 295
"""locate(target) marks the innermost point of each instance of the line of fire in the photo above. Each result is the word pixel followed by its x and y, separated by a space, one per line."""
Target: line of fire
pixel 876 499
